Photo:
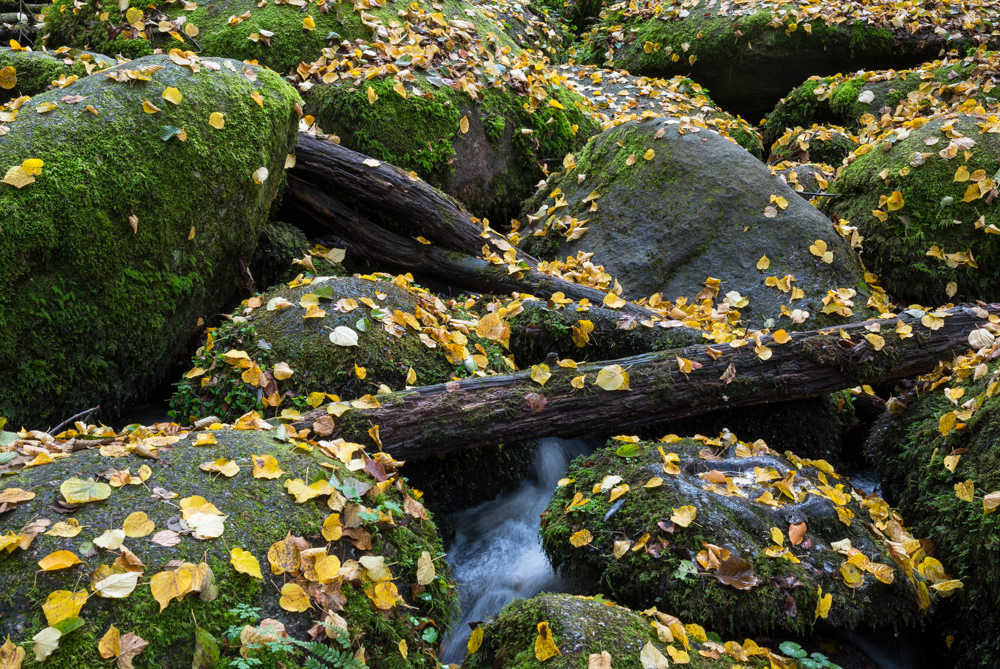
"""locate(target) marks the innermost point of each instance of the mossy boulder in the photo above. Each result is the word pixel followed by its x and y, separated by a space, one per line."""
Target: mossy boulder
pixel 615 97
pixel 749 55
pixel 269 337
pixel 472 69
pixel 582 626
pixel 870 102
pixel 490 168
pixel 665 208
pixel 259 512
pixel 819 144
pixel 37 71
pixel 940 234
pixel 93 311
pixel 921 471
pixel 278 245
pixel 666 559
pixel 805 177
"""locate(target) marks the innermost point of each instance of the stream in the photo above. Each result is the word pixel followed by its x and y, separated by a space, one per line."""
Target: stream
pixel 496 555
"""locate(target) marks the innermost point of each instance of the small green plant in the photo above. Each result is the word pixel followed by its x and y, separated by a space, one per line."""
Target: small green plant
pixel 282 649
pixel 806 660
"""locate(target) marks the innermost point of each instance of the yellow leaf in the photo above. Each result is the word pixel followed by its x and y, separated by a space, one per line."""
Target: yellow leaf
pixel 67 528
pixel 15 495
pixel 947 586
pixel 581 538
pixel 425 569
pixel 360 372
pixel 540 374
pixel 880 215
pixel 149 107
pixel 138 525
pixel 475 640
pixel 294 598
pixel 947 423
pixel 962 174
pixel 245 563
pixel 991 502
pixel 545 647
pixel 613 301
pixel 284 556
pixel 191 30
pixel 259 99
pixel 965 491
pixel 80 491
pixel 282 371
pixel 372 98
pixel 823 603
pixel 308 23
pixel 58 560
pixel 649 155
pixel 463 124
pixel 612 377
pixel 654 482
pixel 777 537
pixel 18 177
pixel 171 94
pixel 62 604
pixel 217 120
pixel 781 337
pixel 205 439
pixel 678 656
pixel 895 201
pixel 108 646
pixel 684 515
pixel 763 263
pixel 332 529
pixel 577 381
pixel 266 467
pixel 33 166
pixel 877 342
pixel 8 78
pixel 411 377
pixel 259 176
pixel 171 584
pixel 402 648
pixel 11 656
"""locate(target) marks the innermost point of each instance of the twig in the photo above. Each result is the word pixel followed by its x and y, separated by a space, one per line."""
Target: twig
pixel 54 431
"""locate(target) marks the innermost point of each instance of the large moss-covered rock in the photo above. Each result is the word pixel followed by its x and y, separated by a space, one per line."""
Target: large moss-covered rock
pixel 615 97
pixel 36 71
pixel 871 102
pixel 93 311
pixel 924 464
pixel 387 349
pixel 259 512
pixel 937 232
pixel 743 520
pixel 665 208
pixel 750 54
pixel 395 82
pixel 582 626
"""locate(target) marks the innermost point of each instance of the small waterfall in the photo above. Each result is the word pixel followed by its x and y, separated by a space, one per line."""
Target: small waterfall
pixel 496 555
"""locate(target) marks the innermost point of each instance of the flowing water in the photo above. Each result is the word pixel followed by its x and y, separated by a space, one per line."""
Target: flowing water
pixel 496 555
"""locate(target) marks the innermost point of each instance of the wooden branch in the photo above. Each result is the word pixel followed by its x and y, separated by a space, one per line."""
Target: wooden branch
pixel 437 419
pixel 327 176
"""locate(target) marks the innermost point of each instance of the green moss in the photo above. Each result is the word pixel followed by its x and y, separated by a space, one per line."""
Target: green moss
pixel 907 449
pixel 897 249
pixel 75 272
pixel 259 512
pixel 645 578
pixel 36 71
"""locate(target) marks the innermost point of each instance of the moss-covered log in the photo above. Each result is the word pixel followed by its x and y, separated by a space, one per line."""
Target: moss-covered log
pixel 128 235
pixel 438 419
pixel 37 71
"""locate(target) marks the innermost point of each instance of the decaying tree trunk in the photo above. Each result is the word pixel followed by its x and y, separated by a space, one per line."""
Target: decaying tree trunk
pixel 330 185
pixel 437 419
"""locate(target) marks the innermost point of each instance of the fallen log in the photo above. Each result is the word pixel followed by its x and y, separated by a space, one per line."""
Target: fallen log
pixel 383 248
pixel 437 419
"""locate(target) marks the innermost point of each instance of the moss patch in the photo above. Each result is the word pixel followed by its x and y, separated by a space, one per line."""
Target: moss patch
pixel 90 311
